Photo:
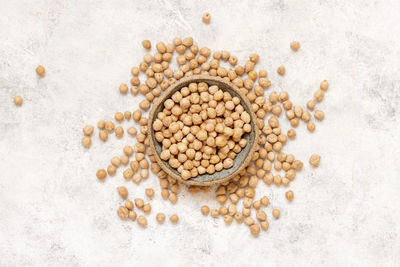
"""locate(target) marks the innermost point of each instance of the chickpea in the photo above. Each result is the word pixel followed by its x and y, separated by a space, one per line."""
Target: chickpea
pixel 281 70
pixel 142 221
pixel 86 141
pixel 311 104
pixel 289 195
pixel 174 218
pixel 119 132
pixel 228 219
pixel 261 215
pixel 40 70
pixel 295 46
pixel 146 208
pixel 311 126
pixel 122 191
pixel 205 210
pixel 146 44
pixel 264 225
pixel 276 213
pixel 265 201
pixel 324 85
pixel 319 95
pixel 101 124
pixel 314 160
pixel 18 100
pixel 103 135
pixel 206 18
pixel 149 192
pixel 160 217
pixel 123 212
pixel 132 131
pixel 101 174
pixel 319 115
pixel 132 215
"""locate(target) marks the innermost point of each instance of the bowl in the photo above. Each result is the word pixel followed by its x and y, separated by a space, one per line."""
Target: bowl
pixel 241 160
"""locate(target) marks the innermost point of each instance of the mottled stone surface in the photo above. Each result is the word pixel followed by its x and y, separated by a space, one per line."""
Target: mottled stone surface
pixel 55 213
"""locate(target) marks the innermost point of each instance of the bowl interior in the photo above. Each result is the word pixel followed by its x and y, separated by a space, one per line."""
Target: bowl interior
pixel 240 157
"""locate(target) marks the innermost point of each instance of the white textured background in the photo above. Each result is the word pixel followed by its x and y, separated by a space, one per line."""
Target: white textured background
pixel 54 212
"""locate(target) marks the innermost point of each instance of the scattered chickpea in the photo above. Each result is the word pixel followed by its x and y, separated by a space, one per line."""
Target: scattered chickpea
pixel 319 115
pixel 122 191
pixel 146 44
pixel 205 210
pixel 174 218
pixel 101 124
pixel 149 192
pixel 281 70
pixel 18 100
pixel 255 229
pixel 276 213
pixel 295 46
pixel 123 212
pixel 264 225
pixel 123 88
pixel 86 141
pixel 214 213
pixel 160 217
pixel 129 204
pixel 206 18
pixel 314 160
pixel 88 130
pixel 289 195
pixel 101 174
pixel 132 131
pixel 142 221
pixel 311 126
pixel 40 70
pixel 324 85
pixel 103 135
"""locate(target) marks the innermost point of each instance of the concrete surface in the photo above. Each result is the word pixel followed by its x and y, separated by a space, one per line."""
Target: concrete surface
pixel 54 212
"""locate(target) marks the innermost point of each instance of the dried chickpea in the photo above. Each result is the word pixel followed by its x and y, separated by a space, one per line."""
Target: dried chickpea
pixel 142 221
pixel 149 192
pixel 122 191
pixel 18 100
pixel 129 204
pixel 111 169
pixel 319 115
pixel 146 44
pixel 295 46
pixel 86 141
pixel 314 160
pixel 101 174
pixel 261 215
pixel 311 104
pixel 123 212
pixel 132 215
pixel 276 213
pixel 206 18
pixel 146 208
pixel 311 126
pixel 160 217
pixel 40 70
pixel 281 70
pixel 174 218
pixel 264 225
pixel 264 201
pixel 319 95
pixel 324 85
pixel 289 195
pixel 103 135
pixel 205 210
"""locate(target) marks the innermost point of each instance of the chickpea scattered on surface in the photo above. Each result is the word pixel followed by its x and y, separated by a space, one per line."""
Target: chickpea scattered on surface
pixel 314 160
pixel 122 191
pixel 174 218
pixel 289 195
pixel 324 85
pixel 101 174
pixel 255 229
pixel 205 210
pixel 281 70
pixel 149 192
pixel 206 18
pixel 264 225
pixel 86 141
pixel 18 100
pixel 123 212
pixel 142 221
pixel 146 44
pixel 311 126
pixel 276 213
pixel 319 115
pixel 160 217
pixel 123 88
pixel 103 135
pixel 40 70
pixel 88 130
pixel 311 104
pixel 295 46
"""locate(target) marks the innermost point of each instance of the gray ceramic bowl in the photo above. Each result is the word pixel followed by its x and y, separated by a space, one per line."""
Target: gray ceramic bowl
pixel 242 159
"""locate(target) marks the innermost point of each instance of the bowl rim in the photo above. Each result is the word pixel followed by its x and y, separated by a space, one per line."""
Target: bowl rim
pixel 160 100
